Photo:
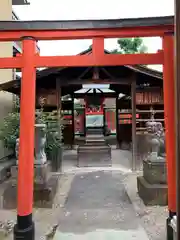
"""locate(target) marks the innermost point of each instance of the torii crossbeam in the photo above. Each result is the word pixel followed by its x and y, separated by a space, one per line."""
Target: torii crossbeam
pixel 85 29
pixel 98 30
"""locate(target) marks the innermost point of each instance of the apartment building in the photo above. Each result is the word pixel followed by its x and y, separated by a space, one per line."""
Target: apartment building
pixel 7 49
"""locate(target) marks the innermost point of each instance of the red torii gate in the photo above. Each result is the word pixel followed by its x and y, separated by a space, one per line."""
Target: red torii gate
pixel 29 32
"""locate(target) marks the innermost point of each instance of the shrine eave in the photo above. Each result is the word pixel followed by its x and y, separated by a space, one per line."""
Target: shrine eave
pixel 103 95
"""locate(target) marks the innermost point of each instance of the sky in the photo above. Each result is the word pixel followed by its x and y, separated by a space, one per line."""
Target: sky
pixel 94 9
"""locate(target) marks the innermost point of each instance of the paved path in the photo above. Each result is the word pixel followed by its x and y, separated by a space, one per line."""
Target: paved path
pixel 98 207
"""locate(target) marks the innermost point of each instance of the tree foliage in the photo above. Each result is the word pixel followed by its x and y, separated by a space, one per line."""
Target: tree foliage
pixel 130 46
pixel 9 128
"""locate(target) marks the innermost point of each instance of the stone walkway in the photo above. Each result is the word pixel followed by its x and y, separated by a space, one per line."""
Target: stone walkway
pixel 97 203
pixel 98 207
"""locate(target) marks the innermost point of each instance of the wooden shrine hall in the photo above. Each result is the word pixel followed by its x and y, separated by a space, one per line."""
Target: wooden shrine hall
pixel 141 84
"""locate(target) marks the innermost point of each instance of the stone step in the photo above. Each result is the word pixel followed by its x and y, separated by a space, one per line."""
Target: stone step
pixel 94 131
pixel 95 140
pixel 94 154
pixel 95 143
pixel 94 147
pixel 94 137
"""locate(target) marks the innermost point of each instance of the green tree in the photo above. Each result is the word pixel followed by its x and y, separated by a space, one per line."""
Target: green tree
pixel 130 46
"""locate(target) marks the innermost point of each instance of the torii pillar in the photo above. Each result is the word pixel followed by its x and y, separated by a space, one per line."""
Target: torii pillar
pixel 169 110
pixel 24 229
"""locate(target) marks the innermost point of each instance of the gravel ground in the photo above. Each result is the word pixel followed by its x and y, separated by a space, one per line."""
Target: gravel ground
pixel 153 218
pixel 45 219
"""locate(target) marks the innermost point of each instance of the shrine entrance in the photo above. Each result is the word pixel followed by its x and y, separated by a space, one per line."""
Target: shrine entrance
pixel 97 30
pixel 97 104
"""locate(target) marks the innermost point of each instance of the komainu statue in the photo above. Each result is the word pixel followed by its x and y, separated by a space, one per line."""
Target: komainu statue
pixel 17 150
pixel 40 141
pixel 156 141
pixel 152 186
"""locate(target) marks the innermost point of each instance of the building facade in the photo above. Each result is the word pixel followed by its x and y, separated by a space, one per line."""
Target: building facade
pixel 7 49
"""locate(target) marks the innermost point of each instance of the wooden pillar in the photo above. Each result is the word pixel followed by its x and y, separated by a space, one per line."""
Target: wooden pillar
pixel 117 124
pixel 104 120
pixel 59 116
pixel 24 229
pixel 98 47
pixel 134 140
pixel 177 109
pixel 73 130
pixel 169 110
pixel 84 120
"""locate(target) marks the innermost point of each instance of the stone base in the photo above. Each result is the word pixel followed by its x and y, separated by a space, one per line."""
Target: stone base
pixel 111 140
pixel 152 194
pixel 43 194
pixel 94 156
pixel 155 172
pixel 169 230
pixel 41 172
pixel 5 169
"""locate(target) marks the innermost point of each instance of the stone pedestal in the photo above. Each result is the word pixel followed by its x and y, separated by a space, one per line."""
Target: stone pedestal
pixel 155 172
pixel 152 186
pixel 94 153
pixel 45 187
pixel 42 173
pixel 5 169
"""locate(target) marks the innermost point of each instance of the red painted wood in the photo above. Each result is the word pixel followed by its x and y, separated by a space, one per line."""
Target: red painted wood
pixel 98 47
pixel 11 62
pixel 85 60
pixel 27 119
pixel 151 31
pixel 169 110
pixel 104 60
